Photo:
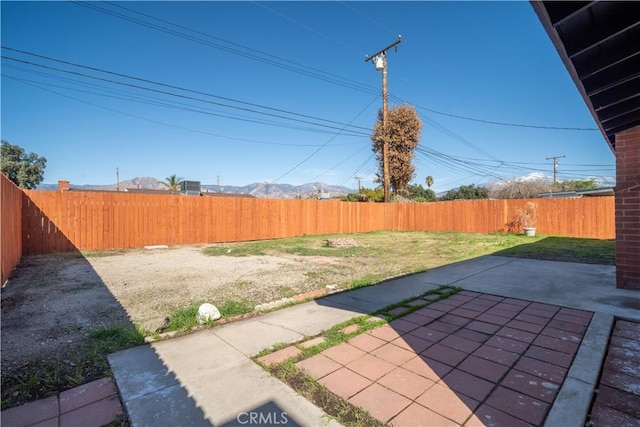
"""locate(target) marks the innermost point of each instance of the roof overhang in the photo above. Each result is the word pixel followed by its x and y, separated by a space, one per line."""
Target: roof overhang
pixel 599 44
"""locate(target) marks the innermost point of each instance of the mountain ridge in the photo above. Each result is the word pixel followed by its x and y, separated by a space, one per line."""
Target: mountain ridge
pixel 256 189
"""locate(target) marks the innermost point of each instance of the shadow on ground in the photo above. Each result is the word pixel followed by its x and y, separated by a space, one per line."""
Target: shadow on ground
pixel 58 323
pixel 570 249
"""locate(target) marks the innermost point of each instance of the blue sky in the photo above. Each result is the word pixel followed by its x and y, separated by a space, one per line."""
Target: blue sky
pixel 303 61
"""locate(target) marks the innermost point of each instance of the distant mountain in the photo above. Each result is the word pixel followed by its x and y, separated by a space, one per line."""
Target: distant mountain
pixel 601 181
pixel 535 176
pixel 282 191
pixel 276 191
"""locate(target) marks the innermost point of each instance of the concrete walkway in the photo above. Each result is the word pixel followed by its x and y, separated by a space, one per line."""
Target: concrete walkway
pixel 207 378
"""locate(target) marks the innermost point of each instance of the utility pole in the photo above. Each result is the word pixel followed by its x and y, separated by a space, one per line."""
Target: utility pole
pixel 218 182
pixel 358 178
pixel 117 179
pixel 380 61
pixel 555 167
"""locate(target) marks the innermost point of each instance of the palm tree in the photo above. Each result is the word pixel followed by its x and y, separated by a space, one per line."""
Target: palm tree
pixel 173 182
pixel 429 181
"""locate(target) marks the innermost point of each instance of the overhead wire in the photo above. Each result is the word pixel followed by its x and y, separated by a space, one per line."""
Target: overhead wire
pixel 161 122
pixel 181 107
pixel 358 169
pixel 429 121
pixel 328 141
pixel 165 92
pixel 248 53
pixel 333 78
pixel 320 33
pixel 345 4
pixel 338 164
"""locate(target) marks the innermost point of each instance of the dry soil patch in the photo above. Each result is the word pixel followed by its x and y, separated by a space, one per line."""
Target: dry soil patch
pixel 51 302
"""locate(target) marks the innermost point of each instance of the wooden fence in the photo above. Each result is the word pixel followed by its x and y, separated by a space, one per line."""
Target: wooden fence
pixel 56 221
pixel 10 227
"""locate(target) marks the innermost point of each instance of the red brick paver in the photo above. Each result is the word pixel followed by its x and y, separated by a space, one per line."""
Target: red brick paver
pixel 350 329
pixel 471 360
pixel 380 402
pixel 366 342
pixel 318 366
pixel 280 355
pixel 312 342
pixel 345 383
pixel 92 404
pixel 416 415
pixel 618 399
pixel 386 333
pixel 406 383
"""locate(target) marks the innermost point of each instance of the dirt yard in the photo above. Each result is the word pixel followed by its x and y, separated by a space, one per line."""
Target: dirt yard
pixel 51 302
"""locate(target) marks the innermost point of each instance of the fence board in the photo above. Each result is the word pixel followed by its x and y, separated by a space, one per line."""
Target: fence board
pixel 10 227
pixel 61 221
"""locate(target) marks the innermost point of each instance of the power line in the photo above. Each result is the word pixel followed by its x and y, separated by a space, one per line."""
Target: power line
pixel 393 33
pixel 252 54
pixel 492 122
pixel 328 141
pixel 168 104
pixel 176 88
pixel 316 73
pixel 321 34
pixel 36 85
pixel 358 169
pixel 338 164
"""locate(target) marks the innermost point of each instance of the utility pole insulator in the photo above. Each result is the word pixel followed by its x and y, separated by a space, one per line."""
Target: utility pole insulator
pixel 380 63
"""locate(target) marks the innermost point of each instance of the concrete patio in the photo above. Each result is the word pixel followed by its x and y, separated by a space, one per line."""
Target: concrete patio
pixel 473 355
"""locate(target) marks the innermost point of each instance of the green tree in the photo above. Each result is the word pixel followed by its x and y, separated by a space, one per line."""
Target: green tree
pixel 419 194
pixel 578 185
pixel 25 170
pixel 372 195
pixel 466 192
pixel 173 182
pixel 403 135
pixel 429 181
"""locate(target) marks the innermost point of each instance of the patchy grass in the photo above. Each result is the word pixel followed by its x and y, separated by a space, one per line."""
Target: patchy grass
pixel 36 380
pixel 302 246
pixel 105 253
pixel 590 251
pixel 234 308
pixel 379 256
pixel 410 252
pixel 336 335
pixel 335 406
pixel 184 318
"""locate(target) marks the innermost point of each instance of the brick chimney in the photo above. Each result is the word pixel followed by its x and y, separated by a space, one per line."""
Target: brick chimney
pixel 63 185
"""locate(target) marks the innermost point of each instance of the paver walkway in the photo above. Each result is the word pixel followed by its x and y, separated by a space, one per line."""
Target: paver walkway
pixel 207 378
pixel 471 359
pixel 92 404
pixel 617 401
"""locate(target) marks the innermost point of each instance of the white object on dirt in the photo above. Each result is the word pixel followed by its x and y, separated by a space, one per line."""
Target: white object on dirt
pixel 208 312
pixel 151 247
